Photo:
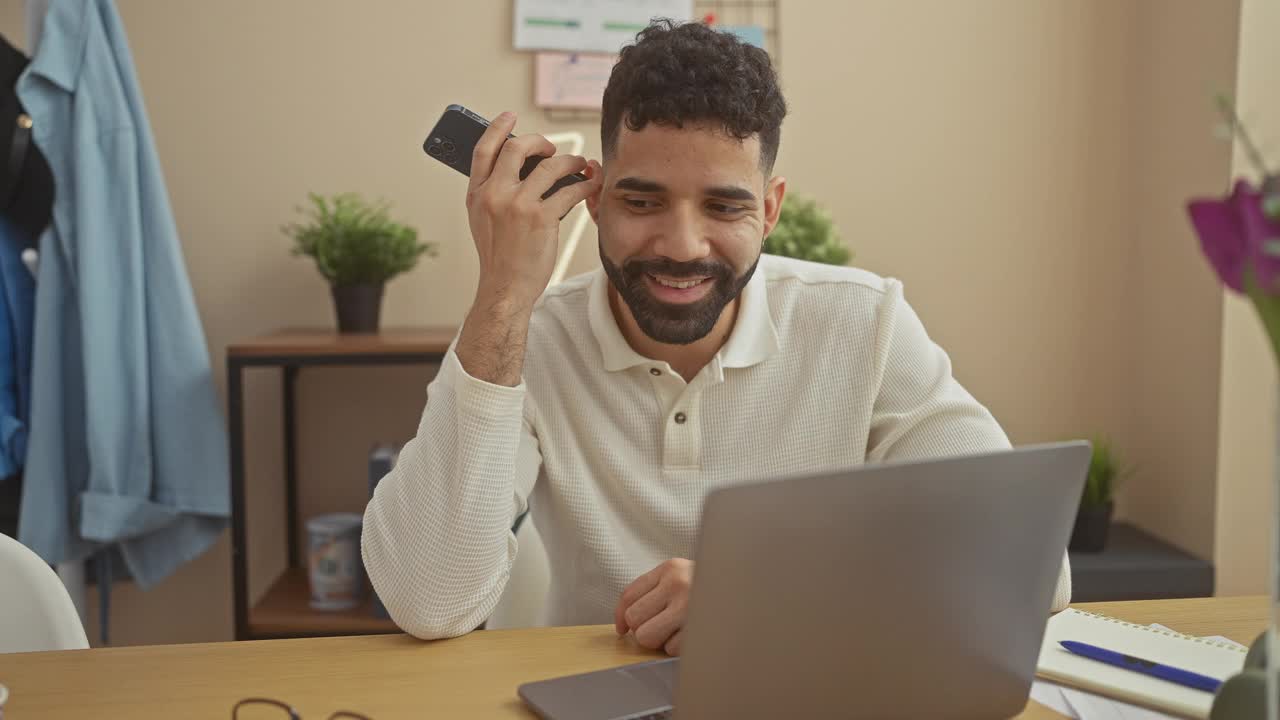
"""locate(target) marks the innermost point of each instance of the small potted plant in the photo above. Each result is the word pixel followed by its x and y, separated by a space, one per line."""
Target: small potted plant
pixel 357 247
pixel 1097 502
pixel 805 231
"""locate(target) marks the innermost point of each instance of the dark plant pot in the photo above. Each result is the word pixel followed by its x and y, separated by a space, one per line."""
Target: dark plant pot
pixel 358 307
pixel 1092 525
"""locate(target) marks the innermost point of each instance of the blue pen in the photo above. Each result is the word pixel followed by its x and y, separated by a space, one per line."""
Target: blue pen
pixel 1146 667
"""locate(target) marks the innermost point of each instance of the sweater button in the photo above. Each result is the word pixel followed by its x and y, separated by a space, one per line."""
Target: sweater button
pixel 655 372
pixel 680 418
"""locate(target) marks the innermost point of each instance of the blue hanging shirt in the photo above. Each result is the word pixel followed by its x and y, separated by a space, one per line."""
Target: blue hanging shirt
pixel 127 445
pixel 17 308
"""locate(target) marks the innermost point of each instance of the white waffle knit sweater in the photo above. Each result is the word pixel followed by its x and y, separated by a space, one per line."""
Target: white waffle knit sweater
pixel 826 367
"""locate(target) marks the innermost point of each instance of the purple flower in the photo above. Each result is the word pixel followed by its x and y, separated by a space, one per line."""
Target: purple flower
pixel 1237 235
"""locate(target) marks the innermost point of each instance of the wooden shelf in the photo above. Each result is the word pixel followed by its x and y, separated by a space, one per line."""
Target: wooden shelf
pixel 312 342
pixel 284 612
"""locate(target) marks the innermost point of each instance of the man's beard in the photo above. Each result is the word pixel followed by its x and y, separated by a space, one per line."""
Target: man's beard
pixel 675 324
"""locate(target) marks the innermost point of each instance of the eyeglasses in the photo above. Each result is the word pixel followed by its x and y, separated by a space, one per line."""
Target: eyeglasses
pixel 269 709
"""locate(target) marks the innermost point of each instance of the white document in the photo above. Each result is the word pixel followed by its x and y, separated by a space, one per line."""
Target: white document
pixel 602 26
pixel 1081 705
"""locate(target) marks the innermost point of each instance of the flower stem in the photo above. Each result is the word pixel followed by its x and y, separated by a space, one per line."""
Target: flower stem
pixel 1268 307
pixel 1228 109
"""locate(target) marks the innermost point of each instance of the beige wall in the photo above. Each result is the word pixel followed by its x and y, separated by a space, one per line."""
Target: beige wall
pixel 1247 436
pixel 1023 167
pixel 1180 54
pixel 968 149
pixel 980 151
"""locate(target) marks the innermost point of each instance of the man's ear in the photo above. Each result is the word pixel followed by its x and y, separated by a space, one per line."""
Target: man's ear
pixel 774 191
pixel 593 200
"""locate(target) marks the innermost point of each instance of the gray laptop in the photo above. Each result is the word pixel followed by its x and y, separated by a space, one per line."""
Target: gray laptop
pixel 903 590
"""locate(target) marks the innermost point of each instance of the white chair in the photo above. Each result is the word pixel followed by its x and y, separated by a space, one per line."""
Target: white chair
pixel 524 599
pixel 36 613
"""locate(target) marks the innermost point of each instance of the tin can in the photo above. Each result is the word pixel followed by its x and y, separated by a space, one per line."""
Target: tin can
pixel 334 565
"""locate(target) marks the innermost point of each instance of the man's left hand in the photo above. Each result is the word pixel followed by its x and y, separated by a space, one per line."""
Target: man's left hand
pixel 653 607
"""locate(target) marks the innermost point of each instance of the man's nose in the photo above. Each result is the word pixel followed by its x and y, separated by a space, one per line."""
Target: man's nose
pixel 683 238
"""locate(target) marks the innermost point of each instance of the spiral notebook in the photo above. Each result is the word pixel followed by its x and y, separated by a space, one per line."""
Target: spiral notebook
pixel 1207 657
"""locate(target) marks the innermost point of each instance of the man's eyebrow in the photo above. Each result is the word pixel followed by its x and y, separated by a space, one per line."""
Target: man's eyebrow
pixel 724 192
pixel 731 192
pixel 636 184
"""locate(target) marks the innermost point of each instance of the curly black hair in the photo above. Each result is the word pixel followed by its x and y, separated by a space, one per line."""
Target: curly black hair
pixel 679 73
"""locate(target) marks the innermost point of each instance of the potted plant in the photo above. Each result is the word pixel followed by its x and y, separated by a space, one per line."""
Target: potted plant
pixel 1097 502
pixel 805 231
pixel 357 247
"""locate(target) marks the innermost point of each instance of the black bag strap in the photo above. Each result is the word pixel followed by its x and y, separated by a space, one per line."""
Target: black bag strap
pixel 19 144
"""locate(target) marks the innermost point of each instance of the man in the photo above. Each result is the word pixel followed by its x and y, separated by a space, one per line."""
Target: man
pixel 612 403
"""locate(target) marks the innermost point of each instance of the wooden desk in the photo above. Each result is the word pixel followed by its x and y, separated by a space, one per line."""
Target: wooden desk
pixel 396 676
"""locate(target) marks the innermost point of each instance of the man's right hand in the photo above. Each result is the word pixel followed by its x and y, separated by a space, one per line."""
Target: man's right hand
pixel 516 234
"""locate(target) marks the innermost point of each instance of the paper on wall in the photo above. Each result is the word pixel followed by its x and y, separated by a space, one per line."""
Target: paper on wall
pixel 602 26
pixel 750 34
pixel 570 80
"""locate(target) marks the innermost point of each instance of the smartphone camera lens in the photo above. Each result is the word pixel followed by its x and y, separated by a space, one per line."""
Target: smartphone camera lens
pixel 448 146
pixel 434 150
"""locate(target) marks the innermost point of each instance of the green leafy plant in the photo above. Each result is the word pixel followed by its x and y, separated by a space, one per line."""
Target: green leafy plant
pixel 1106 470
pixel 805 231
pixel 354 242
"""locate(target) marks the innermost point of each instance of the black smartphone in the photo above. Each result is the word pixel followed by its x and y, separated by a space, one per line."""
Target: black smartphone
pixel 454 138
